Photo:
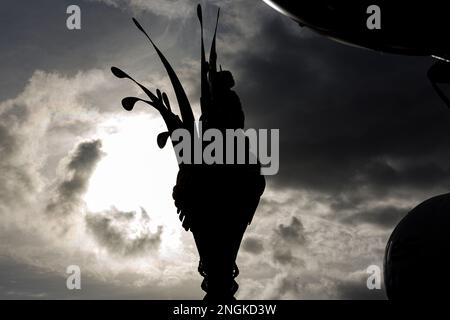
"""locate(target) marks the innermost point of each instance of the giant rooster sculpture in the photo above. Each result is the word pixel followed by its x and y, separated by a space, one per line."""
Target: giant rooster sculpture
pixel 216 202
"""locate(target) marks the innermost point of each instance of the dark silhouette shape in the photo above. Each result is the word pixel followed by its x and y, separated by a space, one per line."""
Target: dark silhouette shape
pixel 425 33
pixel 440 73
pixel 216 202
pixel 418 253
pixel 183 101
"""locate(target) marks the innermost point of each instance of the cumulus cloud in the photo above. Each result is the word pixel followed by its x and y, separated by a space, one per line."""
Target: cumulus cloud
pixel 310 254
pixel 293 232
pixel 253 245
pixel 81 164
pixel 49 153
pixel 383 216
pixel 15 179
pixel 38 129
pixel 124 233
pixel 283 256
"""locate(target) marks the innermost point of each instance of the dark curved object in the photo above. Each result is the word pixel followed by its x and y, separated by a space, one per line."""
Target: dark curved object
pixel 439 73
pixel 412 28
pixel 418 251
pixel 183 102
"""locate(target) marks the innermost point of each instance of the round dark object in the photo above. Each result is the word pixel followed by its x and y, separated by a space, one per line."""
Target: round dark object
pixel 417 253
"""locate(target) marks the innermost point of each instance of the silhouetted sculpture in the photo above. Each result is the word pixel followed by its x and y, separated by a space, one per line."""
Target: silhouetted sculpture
pixel 417 253
pixel 216 202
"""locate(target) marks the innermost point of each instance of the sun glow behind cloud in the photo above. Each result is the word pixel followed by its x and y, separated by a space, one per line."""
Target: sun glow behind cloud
pixel 135 174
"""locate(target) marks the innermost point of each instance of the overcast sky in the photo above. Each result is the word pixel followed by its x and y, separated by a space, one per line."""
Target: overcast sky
pixel 363 140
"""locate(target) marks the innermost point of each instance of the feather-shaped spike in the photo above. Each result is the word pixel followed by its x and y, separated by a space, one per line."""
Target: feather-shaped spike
pixel 185 107
pixel 206 96
pixel 213 52
pixel 123 75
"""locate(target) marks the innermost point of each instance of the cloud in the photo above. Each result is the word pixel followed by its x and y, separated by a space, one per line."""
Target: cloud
pixel 81 164
pixel 33 144
pixel 49 139
pixel 167 8
pixel 384 216
pixel 14 180
pixel 349 290
pixel 253 245
pixel 24 281
pixel 292 233
pixel 111 230
pixel 380 135
pixel 49 153
pixel 283 256
pixel 286 286
pixel 38 128
pixel 311 254
pixel 173 9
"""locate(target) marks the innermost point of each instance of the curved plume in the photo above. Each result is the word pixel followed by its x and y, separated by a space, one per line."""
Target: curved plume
pixel 213 52
pixel 171 120
pixel 205 99
pixel 183 101
pixel 123 75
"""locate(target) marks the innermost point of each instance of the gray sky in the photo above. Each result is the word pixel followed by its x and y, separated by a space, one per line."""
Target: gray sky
pixel 363 140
